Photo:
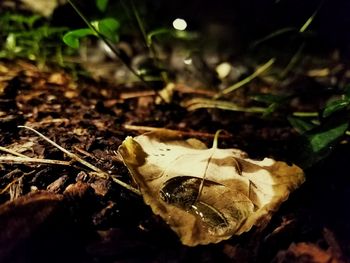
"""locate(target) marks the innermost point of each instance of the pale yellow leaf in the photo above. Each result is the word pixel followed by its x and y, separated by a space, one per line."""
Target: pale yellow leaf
pixel 206 195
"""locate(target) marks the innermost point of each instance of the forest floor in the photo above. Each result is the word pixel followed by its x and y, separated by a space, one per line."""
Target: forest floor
pixel 65 213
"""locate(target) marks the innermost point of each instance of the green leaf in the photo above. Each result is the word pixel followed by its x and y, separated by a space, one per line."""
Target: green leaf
pixel 322 139
pixel 334 106
pixel 72 37
pixel 318 143
pixel 108 27
pixel 27 20
pixel 102 5
pixel 178 34
pixel 300 125
pixel 11 42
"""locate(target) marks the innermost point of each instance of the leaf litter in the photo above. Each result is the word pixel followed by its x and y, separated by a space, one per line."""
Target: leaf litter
pixel 320 202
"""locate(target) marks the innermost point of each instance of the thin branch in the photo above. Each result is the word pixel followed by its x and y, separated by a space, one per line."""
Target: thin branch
pixel 199 103
pixel 186 133
pixel 12 152
pixel 125 185
pixel 16 159
pixel 75 157
pixel 71 155
pixel 10 184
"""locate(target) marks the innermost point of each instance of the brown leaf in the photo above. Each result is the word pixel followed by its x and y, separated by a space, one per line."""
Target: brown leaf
pixel 206 195
pixel 15 224
pixel 305 252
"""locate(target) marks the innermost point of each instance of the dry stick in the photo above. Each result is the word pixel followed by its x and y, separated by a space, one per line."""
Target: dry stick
pixel 71 155
pixel 198 103
pixel 16 159
pixel 98 171
pixel 187 133
pixel 12 152
pixel 9 185
pixel 20 158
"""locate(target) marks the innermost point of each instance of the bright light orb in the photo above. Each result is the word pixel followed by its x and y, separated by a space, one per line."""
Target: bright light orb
pixel 188 61
pixel 223 70
pixel 179 24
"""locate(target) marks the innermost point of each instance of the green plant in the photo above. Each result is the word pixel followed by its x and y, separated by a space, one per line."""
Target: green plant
pixel 105 29
pixel 318 136
pixel 108 29
pixel 30 37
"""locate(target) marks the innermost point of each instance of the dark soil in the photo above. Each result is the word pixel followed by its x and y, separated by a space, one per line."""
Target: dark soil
pixel 57 213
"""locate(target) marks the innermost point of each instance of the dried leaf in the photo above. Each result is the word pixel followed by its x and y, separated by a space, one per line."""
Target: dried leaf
pixel 17 230
pixel 206 195
pixel 306 252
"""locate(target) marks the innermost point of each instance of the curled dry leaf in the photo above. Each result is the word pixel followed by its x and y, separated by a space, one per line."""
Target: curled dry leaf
pixel 206 195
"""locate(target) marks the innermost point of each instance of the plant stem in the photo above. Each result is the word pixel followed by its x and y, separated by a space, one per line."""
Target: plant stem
pixel 16 159
pixel 105 40
pixel 148 44
pixel 305 114
pixel 293 61
pixel 216 139
pixel 241 83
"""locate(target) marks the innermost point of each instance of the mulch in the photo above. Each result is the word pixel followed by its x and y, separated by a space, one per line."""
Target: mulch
pixel 65 213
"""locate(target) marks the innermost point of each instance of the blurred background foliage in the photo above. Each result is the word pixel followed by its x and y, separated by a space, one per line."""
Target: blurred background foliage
pixel 223 47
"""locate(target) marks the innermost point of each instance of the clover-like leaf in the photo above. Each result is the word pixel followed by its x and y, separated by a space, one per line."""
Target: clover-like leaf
pixel 72 37
pixel 107 27
pixel 206 195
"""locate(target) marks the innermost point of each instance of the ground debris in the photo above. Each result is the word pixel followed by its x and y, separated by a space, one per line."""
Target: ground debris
pixel 306 253
pixel 66 214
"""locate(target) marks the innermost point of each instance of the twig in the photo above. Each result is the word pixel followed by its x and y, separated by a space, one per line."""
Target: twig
pixel 87 154
pixel 199 103
pixel 186 133
pixel 97 171
pixel 136 94
pixel 10 184
pixel 193 90
pixel 71 155
pixel 179 87
pixel 12 152
pixel 25 159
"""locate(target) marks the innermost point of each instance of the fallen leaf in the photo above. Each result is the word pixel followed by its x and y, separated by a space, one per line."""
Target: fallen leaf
pixel 16 230
pixel 305 252
pixel 206 195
